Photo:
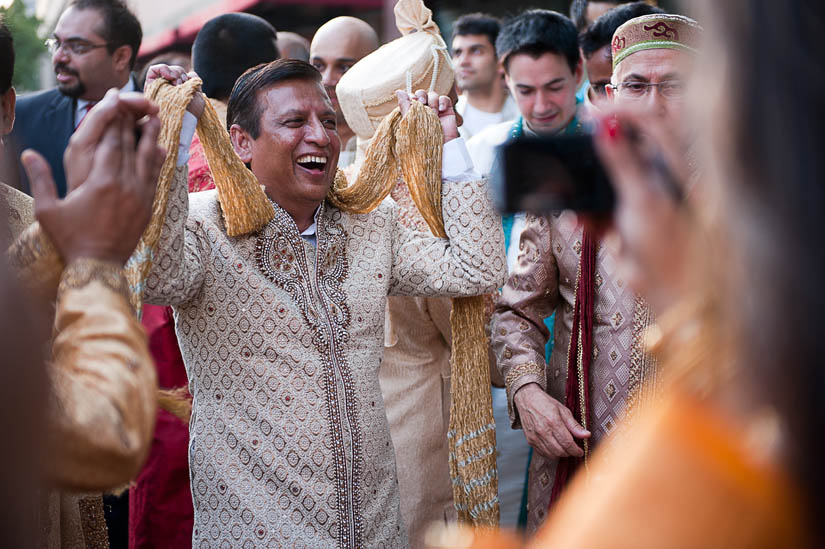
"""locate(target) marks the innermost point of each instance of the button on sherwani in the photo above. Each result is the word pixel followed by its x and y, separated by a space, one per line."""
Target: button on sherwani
pixel 282 341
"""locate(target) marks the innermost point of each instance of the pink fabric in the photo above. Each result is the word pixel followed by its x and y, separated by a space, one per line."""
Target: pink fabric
pixel 200 178
pixel 160 503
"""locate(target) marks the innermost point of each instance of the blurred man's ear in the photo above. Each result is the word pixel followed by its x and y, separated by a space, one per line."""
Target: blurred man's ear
pixel 8 101
pixel 122 56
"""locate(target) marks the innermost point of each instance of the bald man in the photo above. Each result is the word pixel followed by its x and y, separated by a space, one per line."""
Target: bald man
pixel 337 45
pixel 293 46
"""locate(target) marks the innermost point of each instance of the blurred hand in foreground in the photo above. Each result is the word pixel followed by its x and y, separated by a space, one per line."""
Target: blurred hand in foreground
pixel 113 174
pixel 647 162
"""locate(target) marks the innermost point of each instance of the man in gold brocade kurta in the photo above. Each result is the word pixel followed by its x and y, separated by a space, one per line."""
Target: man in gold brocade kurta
pixel 648 71
pixel 282 330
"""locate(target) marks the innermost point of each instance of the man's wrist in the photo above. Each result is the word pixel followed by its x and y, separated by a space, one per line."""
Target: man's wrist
pixel 524 392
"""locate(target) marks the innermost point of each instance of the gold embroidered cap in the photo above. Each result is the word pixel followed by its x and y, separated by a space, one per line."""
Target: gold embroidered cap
pixel 656 31
pixel 417 60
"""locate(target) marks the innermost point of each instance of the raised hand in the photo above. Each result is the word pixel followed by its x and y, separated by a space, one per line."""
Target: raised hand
pixel 106 212
pixel 647 163
pixel 87 137
pixel 176 76
pixel 441 104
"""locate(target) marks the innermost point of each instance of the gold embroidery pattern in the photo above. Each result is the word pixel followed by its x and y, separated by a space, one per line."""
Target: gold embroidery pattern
pixel 84 271
pixel 281 258
pixel 642 382
pixel 528 368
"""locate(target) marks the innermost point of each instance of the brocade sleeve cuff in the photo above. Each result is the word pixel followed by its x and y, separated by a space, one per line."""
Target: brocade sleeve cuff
pixel 36 261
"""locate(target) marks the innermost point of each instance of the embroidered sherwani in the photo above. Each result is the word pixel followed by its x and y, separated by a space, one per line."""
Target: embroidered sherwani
pixel 544 280
pixel 282 341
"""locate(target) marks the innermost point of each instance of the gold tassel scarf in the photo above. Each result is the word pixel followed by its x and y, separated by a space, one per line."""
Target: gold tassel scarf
pixel 415 143
pixel 244 205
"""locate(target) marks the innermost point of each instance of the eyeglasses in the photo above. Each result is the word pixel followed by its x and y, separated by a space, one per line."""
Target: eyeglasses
pixel 75 47
pixel 671 89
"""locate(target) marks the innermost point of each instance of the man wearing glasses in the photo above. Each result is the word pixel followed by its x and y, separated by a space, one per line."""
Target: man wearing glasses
pixel 596 50
pixel 94 48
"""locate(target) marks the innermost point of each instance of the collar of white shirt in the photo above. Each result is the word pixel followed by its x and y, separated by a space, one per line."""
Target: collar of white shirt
pixel 310 233
pixel 80 109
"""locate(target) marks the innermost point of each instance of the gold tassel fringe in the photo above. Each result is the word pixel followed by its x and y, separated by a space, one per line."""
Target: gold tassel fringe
pixel 415 143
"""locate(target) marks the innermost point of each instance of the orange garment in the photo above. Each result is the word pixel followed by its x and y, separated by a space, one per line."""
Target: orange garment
pixel 684 476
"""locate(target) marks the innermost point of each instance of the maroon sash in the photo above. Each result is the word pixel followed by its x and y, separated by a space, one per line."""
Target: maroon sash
pixel 579 357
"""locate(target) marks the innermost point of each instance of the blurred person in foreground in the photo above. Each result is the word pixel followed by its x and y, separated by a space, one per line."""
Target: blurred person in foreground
pixel 597 52
pixel 598 374
pixel 160 500
pixel 94 48
pixel 337 45
pixel 101 382
pixel 484 99
pixel 732 455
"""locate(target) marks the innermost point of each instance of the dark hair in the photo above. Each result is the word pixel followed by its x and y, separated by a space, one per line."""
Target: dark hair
pixel 536 32
pixel 578 11
pixel 478 24
pixel 600 33
pixel 120 26
pixel 227 46
pixel 776 189
pixel 6 57
pixel 244 108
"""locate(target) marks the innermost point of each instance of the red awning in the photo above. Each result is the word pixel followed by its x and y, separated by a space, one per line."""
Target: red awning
pixel 189 27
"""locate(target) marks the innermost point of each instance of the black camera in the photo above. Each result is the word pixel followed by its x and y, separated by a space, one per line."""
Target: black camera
pixel 543 175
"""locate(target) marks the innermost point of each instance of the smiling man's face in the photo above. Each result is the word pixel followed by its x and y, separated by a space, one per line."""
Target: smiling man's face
pixel 296 153
pixel 544 88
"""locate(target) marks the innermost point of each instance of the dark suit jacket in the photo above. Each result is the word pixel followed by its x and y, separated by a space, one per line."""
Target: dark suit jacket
pixel 44 121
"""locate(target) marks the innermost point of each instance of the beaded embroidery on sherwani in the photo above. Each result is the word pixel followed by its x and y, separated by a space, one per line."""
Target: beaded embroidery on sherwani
pixel 281 256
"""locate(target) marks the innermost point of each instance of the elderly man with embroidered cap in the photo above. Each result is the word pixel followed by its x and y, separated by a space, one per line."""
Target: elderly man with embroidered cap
pixel 598 373
pixel 653 56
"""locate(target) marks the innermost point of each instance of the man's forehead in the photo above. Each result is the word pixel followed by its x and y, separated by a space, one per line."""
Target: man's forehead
pixel 524 67
pixel 79 23
pixel 655 62
pixel 468 40
pixel 294 95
